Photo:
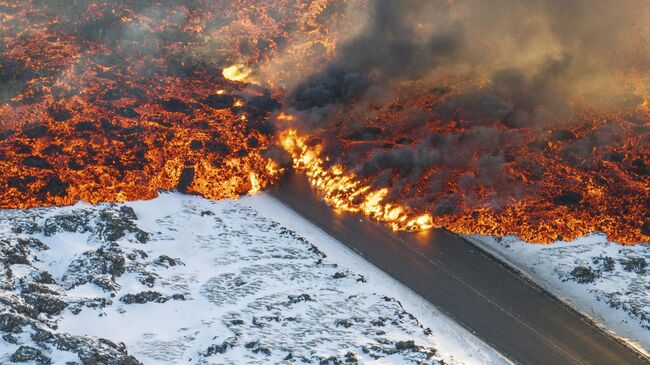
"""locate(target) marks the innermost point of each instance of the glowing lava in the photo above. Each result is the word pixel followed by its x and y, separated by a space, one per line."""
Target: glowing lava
pixel 345 191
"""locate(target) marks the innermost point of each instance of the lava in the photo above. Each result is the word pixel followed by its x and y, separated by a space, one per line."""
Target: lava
pixel 114 101
pixel 345 191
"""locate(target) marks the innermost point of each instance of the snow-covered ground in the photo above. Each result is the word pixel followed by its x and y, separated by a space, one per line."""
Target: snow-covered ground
pixel 608 282
pixel 181 279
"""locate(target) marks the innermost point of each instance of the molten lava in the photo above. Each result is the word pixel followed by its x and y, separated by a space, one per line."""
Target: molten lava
pixel 345 191
pixel 116 100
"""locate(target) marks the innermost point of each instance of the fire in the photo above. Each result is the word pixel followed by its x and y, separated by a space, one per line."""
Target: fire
pixel 255 183
pixel 114 102
pixel 345 191
pixel 237 72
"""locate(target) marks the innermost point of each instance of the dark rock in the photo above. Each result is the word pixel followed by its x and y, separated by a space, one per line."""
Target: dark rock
pixel 85 127
pixel 142 236
pixel 35 130
pixel 219 101
pixel 186 179
pixel 52 149
pixel 166 261
pixel 90 267
pixel 106 282
pixel 562 135
pixel 33 243
pixel 10 338
pixel 78 223
pixel 635 264
pixel 37 162
pixel 127 112
pixel 404 141
pixel 60 113
pixel 175 105
pixel 568 199
pixel 607 263
pixel 406 345
pixel 35 287
pixel 13 323
pixel 196 145
pixel 293 299
pixel 54 187
pixel 75 165
pixel 44 277
pixel 27 353
pixel 21 183
pixel 614 157
pixel 217 349
pixel 640 167
pixel 94 351
pixel 25 226
pixel 144 297
pixel 219 148
pixel 517 119
pixel 366 134
pixel 584 274
pixel 351 358
pixel 45 303
pixel 343 323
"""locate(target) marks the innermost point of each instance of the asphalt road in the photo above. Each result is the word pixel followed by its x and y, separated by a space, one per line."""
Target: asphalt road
pixel 516 317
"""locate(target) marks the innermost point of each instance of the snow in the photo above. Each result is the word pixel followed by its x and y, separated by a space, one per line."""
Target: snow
pixel 606 287
pixel 228 282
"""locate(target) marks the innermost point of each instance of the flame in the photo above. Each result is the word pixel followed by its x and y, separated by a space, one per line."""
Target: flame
pixel 255 183
pixel 344 191
pixel 237 72
pixel 87 118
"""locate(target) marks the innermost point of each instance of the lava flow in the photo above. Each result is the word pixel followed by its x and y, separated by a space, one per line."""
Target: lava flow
pixel 418 114
pixel 116 100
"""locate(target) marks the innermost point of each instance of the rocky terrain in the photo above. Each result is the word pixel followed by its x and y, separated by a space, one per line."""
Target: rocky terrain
pixel 607 281
pixel 183 279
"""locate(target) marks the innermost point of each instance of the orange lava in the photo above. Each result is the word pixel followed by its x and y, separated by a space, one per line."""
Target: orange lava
pixel 115 100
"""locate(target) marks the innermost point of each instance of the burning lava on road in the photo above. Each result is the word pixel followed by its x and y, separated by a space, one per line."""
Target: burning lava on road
pixel 418 114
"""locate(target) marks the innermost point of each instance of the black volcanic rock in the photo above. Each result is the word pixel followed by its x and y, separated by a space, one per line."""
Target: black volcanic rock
pixel 127 112
pixel 29 354
pixel 37 162
pixel 562 135
pixel 568 199
pixel 35 130
pixel 54 187
pixel 184 182
pixel 175 105
pixel 218 101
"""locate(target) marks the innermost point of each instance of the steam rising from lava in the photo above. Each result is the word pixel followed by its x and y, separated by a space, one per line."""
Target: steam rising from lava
pixel 497 117
pixel 500 117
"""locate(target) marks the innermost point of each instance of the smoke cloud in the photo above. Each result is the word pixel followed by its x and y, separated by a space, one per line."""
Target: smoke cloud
pixel 464 97
pixel 523 62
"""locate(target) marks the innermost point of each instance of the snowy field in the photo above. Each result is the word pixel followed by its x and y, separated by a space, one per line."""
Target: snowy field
pixel 181 279
pixel 608 282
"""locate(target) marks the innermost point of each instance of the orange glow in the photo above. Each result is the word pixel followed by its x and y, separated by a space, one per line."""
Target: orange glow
pixel 345 192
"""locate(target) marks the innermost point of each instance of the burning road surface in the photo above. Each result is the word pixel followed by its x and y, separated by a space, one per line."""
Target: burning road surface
pixel 418 114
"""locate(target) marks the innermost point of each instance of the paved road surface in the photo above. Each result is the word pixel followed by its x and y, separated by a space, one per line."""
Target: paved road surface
pixel 513 315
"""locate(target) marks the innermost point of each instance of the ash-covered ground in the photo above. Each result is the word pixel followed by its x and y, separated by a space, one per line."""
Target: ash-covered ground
pixel 608 282
pixel 182 279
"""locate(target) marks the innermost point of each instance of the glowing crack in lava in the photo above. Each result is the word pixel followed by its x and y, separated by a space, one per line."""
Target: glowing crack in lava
pixel 113 101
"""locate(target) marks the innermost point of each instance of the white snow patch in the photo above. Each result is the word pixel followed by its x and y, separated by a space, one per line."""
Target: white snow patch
pixel 256 290
pixel 616 297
